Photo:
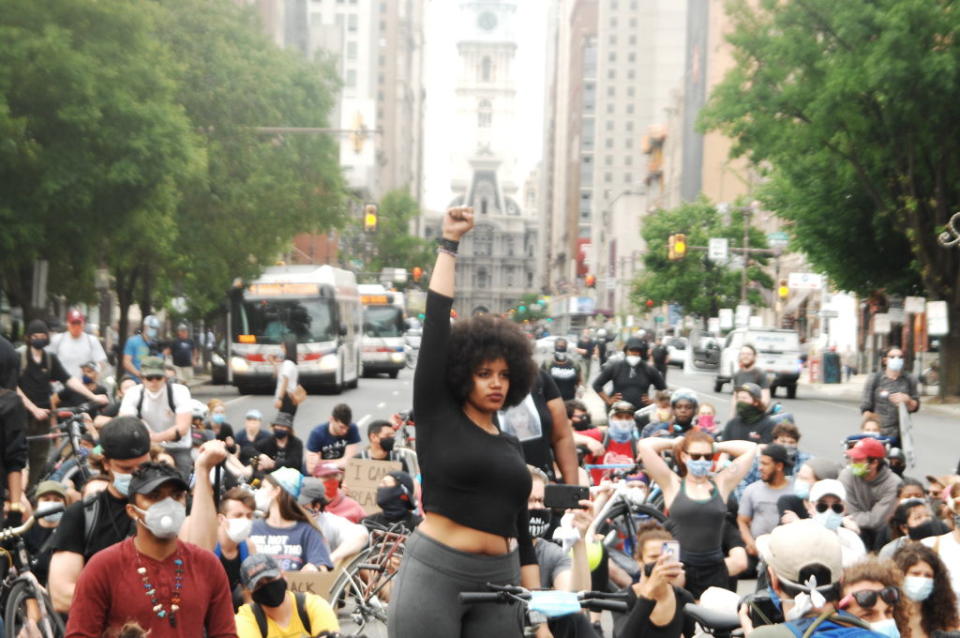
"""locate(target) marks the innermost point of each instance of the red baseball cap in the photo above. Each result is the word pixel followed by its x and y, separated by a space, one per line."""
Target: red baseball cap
pixel 867 448
pixel 74 316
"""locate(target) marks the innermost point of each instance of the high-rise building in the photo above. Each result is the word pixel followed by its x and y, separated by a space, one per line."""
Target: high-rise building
pixel 497 261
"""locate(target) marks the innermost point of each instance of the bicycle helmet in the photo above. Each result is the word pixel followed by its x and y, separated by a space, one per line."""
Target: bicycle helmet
pixel 198 410
pixel 684 394
pixel 621 407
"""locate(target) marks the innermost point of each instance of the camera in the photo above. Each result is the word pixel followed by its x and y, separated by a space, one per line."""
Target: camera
pixel 763 609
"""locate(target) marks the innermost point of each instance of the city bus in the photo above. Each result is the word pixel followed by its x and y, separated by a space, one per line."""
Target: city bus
pixel 318 304
pixel 383 329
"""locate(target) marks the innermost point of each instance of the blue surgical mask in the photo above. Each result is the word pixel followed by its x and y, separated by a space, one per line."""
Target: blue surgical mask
pixel 895 363
pixel 801 489
pixel 151 332
pixel 47 505
pixel 121 481
pixel 218 417
pixel 918 588
pixel 87 379
pixel 554 603
pixel 829 519
pixel 700 467
pixel 886 627
pixel 621 430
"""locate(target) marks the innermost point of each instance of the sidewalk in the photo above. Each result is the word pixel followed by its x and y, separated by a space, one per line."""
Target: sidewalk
pixel 852 390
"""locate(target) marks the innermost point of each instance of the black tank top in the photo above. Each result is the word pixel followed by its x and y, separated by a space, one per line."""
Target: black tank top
pixel 698 525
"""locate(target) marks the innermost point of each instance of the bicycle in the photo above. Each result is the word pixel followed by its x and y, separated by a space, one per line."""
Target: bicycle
pixel 68 460
pixel 543 605
pixel 27 607
pixel 360 595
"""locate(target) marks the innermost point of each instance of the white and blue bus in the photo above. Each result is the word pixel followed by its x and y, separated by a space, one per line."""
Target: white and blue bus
pixel 318 304
pixel 383 329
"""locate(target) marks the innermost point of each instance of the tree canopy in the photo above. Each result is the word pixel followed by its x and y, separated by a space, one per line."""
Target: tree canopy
pixel 851 109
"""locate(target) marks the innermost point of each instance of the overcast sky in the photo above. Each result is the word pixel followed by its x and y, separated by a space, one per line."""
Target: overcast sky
pixel 441 66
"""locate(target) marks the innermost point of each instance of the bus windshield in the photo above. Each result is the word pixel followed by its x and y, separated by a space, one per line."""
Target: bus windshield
pixel 270 320
pixel 382 321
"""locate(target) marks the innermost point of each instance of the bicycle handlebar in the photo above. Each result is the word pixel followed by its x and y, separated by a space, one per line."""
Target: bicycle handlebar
pixel 70 412
pixel 509 594
pixel 23 528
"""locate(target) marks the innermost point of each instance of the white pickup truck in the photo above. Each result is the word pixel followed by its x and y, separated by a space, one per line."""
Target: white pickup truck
pixel 778 355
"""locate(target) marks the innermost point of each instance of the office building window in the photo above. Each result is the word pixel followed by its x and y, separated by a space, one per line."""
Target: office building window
pixel 629 109
pixel 484 114
pixel 611 74
pixel 633 39
pixel 628 160
pixel 586 142
pixel 628 142
pixel 630 74
pixel 609 125
pixel 351 50
pixel 627 178
pixel 631 57
pixel 612 57
pixel 352 22
pixel 351 79
pixel 629 125
pixel 609 158
pixel 589 98
pixel 610 107
pixel 586 171
pixel 486 70
pixel 611 91
pixel 630 91
pixel 608 178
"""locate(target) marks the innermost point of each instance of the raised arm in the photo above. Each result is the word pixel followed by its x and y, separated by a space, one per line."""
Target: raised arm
pixel 456 223
pixel 743 452
pixel 649 451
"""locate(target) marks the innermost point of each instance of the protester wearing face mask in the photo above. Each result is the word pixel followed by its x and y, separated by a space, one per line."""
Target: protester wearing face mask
pixel 276 612
pixel 751 422
pixel 631 376
pixel 871 489
pixel 100 521
pixel 140 346
pixel 796 506
pixel 337 500
pixel 170 587
pixel 674 417
pixel 565 372
pixel 931 603
pixel 655 603
pixel 885 390
pixel 618 442
pixel 222 430
pixel 38 369
pixel 344 538
pixel 90 377
pixel 697 500
pixel 380 435
pixel 283 449
pixel 49 494
pixel 872 591
pixel 911 521
pixel 826 507
pixel 233 545
pixel 396 498
pixel 947 546
pixel 288 532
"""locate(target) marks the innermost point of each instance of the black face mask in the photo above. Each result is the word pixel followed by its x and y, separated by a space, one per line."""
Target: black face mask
pixel 391 502
pixel 280 434
pixel 40 343
pixel 582 423
pixel 923 530
pixel 539 522
pixel 748 412
pixel 271 594
pixel 387 443
pixel 232 449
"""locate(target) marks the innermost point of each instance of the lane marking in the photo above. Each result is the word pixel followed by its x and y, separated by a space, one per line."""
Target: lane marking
pixel 381 405
pixel 237 400
pixel 363 421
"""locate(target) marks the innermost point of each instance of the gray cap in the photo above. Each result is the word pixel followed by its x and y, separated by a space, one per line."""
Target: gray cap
pixel 284 419
pixel 256 567
pixel 823 468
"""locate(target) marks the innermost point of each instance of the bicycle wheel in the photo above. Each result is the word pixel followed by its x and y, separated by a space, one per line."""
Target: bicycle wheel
pixel 26 605
pixel 359 593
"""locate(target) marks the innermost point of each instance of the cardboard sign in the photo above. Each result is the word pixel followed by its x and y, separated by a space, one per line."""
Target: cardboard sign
pixel 362 479
pixel 318 583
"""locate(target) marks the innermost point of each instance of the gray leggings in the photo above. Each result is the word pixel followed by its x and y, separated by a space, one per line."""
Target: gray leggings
pixel 424 601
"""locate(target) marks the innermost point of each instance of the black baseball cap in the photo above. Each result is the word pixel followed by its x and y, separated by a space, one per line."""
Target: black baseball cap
pixel 778 453
pixel 284 419
pixel 124 437
pixel 150 476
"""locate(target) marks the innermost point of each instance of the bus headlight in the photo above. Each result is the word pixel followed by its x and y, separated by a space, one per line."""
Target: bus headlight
pixel 239 364
pixel 398 357
pixel 217 359
pixel 329 362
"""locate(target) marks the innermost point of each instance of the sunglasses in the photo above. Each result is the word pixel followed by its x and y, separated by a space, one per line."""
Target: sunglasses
pixel 836 507
pixel 153 377
pixel 867 598
pixel 699 457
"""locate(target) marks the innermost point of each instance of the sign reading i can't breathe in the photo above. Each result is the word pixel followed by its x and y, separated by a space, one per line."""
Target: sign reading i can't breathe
pixel 362 479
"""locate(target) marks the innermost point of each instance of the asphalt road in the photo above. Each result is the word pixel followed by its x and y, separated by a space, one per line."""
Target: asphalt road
pixel 824 420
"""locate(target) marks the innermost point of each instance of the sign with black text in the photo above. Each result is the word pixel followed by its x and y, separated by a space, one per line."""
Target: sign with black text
pixel 362 479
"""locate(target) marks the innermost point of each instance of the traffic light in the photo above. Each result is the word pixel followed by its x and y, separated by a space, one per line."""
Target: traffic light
pixel 369 218
pixel 649 303
pixel 676 247
pixel 591 281
pixel 783 291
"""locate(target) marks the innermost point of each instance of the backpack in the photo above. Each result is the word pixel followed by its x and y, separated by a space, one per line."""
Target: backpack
pixel 242 551
pixel 261 617
pixel 832 625
pixel 143 389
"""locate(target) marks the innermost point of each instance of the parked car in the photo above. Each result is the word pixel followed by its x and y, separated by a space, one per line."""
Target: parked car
pixel 778 355
pixel 706 352
pixel 676 347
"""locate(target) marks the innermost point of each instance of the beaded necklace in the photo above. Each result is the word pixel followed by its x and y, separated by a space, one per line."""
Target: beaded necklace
pixel 153 595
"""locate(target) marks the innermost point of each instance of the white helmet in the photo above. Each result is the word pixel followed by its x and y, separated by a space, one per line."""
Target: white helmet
pixel 198 409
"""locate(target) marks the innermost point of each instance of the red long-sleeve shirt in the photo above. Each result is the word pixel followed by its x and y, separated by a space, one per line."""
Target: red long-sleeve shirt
pixel 110 593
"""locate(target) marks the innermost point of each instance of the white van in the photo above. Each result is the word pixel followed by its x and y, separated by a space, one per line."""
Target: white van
pixel 778 355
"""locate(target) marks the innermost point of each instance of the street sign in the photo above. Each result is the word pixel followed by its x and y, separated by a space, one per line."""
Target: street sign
pixel 713 325
pixel 914 305
pixel 743 315
pixel 827 313
pixel 726 318
pixel 805 281
pixel 610 283
pixel 881 323
pixel 778 239
pixel 938 324
pixel 719 249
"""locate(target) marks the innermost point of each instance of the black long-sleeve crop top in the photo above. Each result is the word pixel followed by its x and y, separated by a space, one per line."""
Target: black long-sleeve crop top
pixel 477 479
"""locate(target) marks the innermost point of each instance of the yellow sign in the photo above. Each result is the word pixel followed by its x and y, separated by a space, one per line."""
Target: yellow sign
pixel 282 289
pixel 372 300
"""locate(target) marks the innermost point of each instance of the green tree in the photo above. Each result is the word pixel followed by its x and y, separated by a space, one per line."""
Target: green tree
pixel 392 245
pixel 257 191
pixel 851 109
pixel 694 282
pixel 94 143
